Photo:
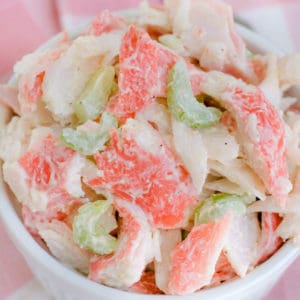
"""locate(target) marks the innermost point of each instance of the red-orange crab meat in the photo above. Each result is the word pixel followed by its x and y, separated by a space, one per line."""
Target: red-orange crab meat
pixel 264 138
pixel 270 240
pixel 139 167
pixel 223 272
pixel 33 93
pixel 60 205
pixel 143 72
pixel 193 260
pixel 144 66
pixel 146 285
pixel 260 127
pixel 46 163
pixel 31 83
pixel 46 166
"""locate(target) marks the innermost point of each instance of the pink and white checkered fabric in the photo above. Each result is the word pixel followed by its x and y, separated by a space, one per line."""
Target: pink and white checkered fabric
pixel 25 24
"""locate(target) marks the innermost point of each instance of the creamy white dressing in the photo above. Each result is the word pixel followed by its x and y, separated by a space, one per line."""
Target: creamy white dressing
pixel 215 159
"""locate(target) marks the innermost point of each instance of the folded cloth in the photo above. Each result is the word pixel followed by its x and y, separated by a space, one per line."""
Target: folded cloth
pixel 25 24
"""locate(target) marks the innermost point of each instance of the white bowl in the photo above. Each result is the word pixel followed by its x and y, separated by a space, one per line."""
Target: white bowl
pixel 66 284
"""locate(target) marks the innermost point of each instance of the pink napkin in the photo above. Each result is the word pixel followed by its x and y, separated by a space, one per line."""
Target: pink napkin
pixel 25 24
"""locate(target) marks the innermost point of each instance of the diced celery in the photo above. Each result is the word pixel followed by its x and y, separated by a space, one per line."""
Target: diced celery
pixel 94 97
pixel 217 205
pixel 92 225
pixel 86 142
pixel 182 103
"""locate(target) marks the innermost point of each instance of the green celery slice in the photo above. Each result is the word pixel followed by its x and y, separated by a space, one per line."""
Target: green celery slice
pixel 182 103
pixel 95 95
pixel 217 205
pixel 88 143
pixel 91 227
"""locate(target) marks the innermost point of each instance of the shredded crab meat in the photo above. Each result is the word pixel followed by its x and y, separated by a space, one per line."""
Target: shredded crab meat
pixel 289 229
pixel 168 241
pixel 30 73
pixel 15 136
pixel 139 167
pixel 58 237
pixel 261 129
pixel 208 33
pixel 134 252
pixel 143 71
pixel 223 272
pixel 76 65
pixel 241 246
pixel 288 69
pixel 47 163
pixel 270 84
pixel 216 136
pixel 271 205
pixel 270 240
pixel 238 172
pixel 223 185
pixel 293 137
pixel 144 66
pixel 159 117
pixel 153 17
pixel 193 260
pixel 46 176
pixel 106 22
pixel 146 285
pixel 195 160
